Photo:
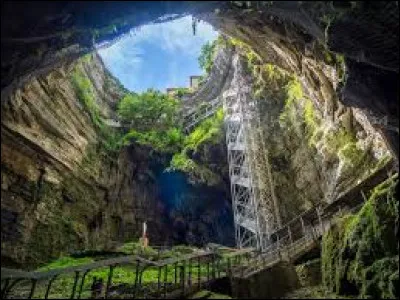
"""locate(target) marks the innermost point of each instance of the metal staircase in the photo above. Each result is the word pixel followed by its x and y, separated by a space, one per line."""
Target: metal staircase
pixel 251 188
pixel 255 207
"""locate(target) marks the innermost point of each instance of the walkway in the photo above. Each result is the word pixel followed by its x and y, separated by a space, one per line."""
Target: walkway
pixel 190 274
pixel 187 274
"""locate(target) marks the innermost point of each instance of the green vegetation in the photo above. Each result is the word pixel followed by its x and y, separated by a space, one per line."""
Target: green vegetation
pixel 153 117
pixel 204 294
pixel 310 118
pixel 360 253
pixel 85 92
pixel 339 138
pixel 149 110
pixel 197 173
pixel 268 78
pixel 122 274
pixel 206 58
pixel 167 141
pixel 110 139
pixel 64 262
pixel 179 92
pixel 209 132
pixel 351 154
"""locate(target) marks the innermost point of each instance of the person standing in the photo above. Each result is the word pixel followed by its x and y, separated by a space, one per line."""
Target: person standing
pixel 145 240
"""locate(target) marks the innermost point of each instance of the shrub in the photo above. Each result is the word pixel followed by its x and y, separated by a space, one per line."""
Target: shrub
pixel 207 131
pixel 168 141
pixel 149 110
pixel 153 117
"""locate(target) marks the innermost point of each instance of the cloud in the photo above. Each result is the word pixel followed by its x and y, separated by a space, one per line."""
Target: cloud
pixel 157 54
pixel 122 52
pixel 176 35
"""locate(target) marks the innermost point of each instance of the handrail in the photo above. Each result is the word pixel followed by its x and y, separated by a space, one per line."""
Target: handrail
pixel 280 247
pixel 7 273
pixel 173 260
pixel 214 265
pixel 285 246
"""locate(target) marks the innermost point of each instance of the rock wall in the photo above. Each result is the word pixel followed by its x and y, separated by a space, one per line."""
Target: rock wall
pixel 199 213
pixel 313 156
pixel 270 283
pixel 68 185
pixel 293 35
pixel 331 49
pixel 360 254
pixel 61 189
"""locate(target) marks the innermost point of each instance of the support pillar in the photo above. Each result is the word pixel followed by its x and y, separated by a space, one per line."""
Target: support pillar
pixel 302 226
pixel 320 220
pixel 290 235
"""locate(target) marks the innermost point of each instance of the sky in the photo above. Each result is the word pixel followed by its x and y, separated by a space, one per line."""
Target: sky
pixel 158 55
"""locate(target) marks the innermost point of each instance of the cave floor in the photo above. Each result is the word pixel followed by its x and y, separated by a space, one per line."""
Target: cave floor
pixel 205 294
pixel 313 292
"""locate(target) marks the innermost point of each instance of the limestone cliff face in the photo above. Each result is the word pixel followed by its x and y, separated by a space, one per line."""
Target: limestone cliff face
pixel 305 38
pixel 61 190
pixel 67 185
pixel 314 157
pixel 295 35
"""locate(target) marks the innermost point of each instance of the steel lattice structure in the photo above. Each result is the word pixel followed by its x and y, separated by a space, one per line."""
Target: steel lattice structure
pixel 255 207
pixel 254 203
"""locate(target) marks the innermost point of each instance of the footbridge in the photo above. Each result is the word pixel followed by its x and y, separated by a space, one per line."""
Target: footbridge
pixel 183 276
pixel 262 240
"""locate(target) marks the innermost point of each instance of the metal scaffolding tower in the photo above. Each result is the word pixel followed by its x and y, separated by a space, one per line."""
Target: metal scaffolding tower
pixel 254 203
pixel 255 207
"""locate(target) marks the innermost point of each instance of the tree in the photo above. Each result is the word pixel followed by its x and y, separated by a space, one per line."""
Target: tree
pixel 151 110
pixel 153 118
pixel 207 55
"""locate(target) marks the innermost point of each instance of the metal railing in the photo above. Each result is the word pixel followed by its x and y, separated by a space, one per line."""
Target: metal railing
pixel 166 278
pixel 176 276
pixel 286 248
pixel 198 114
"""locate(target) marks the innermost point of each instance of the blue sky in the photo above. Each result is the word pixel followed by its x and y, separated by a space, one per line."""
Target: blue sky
pixel 158 55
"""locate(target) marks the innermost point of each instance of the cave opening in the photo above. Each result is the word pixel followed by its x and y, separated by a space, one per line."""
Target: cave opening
pixel 297 115
pixel 162 66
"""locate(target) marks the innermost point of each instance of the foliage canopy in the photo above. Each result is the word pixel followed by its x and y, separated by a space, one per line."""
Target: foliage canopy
pixel 206 56
pixel 149 110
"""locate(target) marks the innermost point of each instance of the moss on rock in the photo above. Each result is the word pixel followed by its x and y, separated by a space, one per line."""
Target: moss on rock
pixel 360 253
pixel 309 273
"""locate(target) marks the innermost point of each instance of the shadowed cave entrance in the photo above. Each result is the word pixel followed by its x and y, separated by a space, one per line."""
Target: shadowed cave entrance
pixel 338 68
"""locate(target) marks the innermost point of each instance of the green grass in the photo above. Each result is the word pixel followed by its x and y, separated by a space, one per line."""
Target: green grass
pixel 124 274
pixel 62 286
pixel 65 262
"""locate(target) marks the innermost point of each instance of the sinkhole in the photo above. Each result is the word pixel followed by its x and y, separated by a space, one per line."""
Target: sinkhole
pixel 163 129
